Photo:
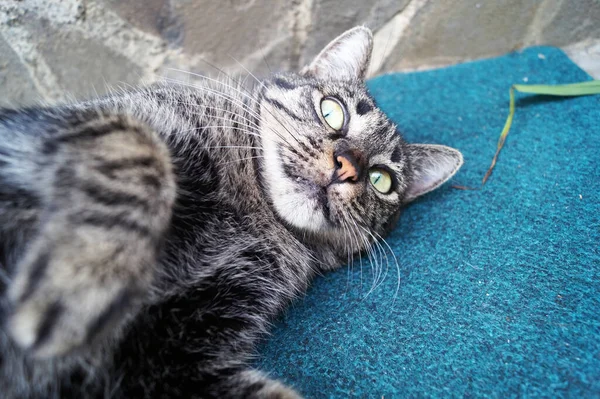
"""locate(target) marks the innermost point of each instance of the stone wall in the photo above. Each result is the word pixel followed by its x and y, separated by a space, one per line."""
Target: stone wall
pixel 59 49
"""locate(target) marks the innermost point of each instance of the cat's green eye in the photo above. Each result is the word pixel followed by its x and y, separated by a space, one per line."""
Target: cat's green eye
pixel 381 180
pixel 333 113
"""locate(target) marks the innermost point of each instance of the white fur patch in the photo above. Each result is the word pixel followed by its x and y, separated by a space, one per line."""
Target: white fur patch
pixel 300 209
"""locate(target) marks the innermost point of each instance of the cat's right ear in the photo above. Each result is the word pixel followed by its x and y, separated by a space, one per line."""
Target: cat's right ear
pixel 431 166
pixel 346 58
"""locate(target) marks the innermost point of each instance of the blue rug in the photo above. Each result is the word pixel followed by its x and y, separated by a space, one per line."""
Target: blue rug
pixel 500 288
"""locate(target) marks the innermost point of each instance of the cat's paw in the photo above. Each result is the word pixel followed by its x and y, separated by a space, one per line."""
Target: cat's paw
pixel 74 284
pixel 276 390
pixel 108 201
pixel 255 385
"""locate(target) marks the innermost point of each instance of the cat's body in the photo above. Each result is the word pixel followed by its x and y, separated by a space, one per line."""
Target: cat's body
pixel 224 247
pixel 147 239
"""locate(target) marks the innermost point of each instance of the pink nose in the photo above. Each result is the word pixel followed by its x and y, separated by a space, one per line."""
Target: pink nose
pixel 347 168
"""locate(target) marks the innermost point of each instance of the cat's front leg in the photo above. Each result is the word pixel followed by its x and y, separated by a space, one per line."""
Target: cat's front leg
pixel 240 384
pixel 107 192
pixel 255 385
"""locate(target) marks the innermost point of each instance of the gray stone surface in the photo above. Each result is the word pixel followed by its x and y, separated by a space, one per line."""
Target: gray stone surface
pixel 223 29
pixel 564 22
pixel 460 29
pixel 451 31
pixel 90 64
pixel 16 87
pixel 586 54
pixel 58 49
pixel 153 16
pixel 329 18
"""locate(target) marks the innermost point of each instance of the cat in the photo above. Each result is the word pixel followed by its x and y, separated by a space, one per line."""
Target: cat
pixel 149 237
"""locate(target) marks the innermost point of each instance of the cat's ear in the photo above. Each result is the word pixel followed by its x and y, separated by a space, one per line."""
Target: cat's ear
pixel 432 165
pixel 346 58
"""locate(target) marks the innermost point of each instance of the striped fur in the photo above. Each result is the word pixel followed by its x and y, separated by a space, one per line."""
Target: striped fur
pixel 148 238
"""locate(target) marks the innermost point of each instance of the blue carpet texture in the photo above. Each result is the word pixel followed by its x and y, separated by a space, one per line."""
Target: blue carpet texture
pixel 500 288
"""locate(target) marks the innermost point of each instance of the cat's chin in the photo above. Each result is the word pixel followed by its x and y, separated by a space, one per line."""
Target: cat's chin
pixel 304 205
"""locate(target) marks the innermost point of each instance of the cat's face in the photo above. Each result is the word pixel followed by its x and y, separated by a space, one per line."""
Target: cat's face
pixel 334 164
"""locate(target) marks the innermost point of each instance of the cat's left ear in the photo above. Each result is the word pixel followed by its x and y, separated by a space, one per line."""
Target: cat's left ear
pixel 346 58
pixel 431 165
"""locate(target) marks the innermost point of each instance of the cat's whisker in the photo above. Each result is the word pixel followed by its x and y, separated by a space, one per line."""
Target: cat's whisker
pixel 245 79
pixel 251 112
pixel 239 128
pixel 214 91
pixel 262 52
pixel 373 251
pixel 367 247
pixel 251 133
pixel 247 122
pixel 240 159
pixel 248 130
pixel 250 124
pixel 232 146
pixel 382 253
pixel 262 85
pixel 373 263
pixel 355 240
pixel 375 266
pixel 377 239
pixel 397 265
pixel 360 257
pixel 347 248
pixel 240 88
pixel 231 98
pixel 244 93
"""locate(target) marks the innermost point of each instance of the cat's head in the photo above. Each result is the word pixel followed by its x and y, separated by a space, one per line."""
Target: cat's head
pixel 334 164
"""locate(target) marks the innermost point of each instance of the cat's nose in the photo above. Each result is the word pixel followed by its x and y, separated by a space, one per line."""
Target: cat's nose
pixel 348 166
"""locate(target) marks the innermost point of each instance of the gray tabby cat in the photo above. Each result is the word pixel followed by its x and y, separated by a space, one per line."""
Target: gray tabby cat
pixel 148 238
